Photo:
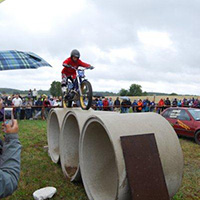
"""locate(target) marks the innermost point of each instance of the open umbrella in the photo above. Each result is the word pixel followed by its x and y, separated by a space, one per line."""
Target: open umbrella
pixel 20 60
pixel 125 98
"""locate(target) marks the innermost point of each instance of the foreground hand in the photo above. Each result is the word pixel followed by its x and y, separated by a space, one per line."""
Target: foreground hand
pixel 8 128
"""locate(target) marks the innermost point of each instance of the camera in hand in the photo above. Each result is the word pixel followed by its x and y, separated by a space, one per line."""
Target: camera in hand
pixel 8 116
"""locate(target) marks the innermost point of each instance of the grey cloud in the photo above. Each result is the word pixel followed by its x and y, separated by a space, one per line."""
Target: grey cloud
pixel 113 25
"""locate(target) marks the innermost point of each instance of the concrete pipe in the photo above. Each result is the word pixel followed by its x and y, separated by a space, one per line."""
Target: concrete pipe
pixel 54 124
pixel 101 157
pixel 69 140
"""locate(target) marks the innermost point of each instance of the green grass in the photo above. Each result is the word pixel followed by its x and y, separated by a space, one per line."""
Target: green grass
pixel 190 188
pixel 37 169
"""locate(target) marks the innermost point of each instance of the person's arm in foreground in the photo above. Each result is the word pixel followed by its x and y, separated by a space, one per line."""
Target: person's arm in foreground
pixel 10 160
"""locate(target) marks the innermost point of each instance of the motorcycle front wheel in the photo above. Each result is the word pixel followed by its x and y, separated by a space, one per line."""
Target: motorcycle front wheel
pixel 86 98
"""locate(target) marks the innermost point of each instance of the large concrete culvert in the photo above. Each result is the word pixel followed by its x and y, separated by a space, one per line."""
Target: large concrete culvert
pixel 101 158
pixel 69 146
pixel 54 124
pixel 73 123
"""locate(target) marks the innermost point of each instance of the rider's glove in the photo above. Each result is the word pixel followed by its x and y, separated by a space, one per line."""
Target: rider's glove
pixel 91 67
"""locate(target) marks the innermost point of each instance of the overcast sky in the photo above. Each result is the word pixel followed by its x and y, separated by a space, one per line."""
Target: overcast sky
pixel 152 43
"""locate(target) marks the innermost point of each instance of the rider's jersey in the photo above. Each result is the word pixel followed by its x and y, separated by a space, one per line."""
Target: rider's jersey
pixel 71 72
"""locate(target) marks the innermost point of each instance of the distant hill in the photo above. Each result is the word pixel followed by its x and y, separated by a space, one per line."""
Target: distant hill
pixel 161 94
pixel 144 94
pixel 105 93
pixel 21 92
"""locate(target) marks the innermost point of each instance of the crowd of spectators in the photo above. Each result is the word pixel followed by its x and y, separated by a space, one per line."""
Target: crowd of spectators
pixel 124 105
pixel 31 106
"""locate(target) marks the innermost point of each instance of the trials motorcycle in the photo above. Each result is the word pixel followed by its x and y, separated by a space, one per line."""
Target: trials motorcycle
pixel 78 90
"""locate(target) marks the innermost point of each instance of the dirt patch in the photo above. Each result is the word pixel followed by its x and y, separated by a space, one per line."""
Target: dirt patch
pixel 71 170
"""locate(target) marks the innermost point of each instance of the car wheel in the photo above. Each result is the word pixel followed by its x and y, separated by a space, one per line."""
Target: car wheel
pixel 197 137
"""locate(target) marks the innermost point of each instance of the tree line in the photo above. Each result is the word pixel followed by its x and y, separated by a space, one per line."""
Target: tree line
pixel 134 90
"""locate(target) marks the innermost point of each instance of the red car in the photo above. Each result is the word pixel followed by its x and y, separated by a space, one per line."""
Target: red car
pixel 185 121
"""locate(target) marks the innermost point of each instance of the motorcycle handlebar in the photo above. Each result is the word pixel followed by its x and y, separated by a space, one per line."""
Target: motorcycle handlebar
pixel 69 66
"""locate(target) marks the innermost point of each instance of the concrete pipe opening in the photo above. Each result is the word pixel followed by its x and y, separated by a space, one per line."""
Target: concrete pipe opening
pixel 69 146
pixel 53 137
pixel 70 141
pixel 54 124
pixel 101 157
pixel 99 166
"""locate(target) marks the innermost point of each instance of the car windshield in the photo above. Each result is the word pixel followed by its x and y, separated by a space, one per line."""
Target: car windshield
pixel 195 114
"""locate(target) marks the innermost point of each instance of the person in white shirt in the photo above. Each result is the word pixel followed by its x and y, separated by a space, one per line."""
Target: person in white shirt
pixel 35 93
pixel 17 102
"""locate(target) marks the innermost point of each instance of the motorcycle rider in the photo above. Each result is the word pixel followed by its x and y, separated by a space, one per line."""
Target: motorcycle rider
pixel 69 73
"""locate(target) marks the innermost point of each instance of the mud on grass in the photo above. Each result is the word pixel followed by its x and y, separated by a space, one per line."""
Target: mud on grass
pixel 37 170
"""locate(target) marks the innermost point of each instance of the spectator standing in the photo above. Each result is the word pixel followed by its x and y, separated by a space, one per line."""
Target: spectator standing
pixel 196 103
pixel 144 106
pixel 167 102
pixel 174 102
pixel 128 105
pixel 8 102
pixel 147 105
pixel 110 104
pixel 117 104
pixel 94 103
pixel 38 108
pixel 190 103
pixel 35 93
pixel 28 109
pixel 160 107
pixel 46 105
pixel 123 106
pixel 179 103
pixel 17 103
pixel 152 106
pixel 56 103
pixel 105 104
pixel 30 93
pixel 134 106
pixel 140 105
pixel 51 101
pixel 100 104
pixel 4 97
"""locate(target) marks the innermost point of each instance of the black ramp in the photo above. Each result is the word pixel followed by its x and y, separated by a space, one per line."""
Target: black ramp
pixel 143 167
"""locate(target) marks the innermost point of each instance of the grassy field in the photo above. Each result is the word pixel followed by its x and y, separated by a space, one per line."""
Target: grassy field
pixel 38 171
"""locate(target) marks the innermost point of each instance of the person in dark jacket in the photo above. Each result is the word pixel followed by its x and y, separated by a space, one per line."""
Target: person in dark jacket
pixel 167 102
pixel 117 104
pixel 9 159
pixel 174 103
